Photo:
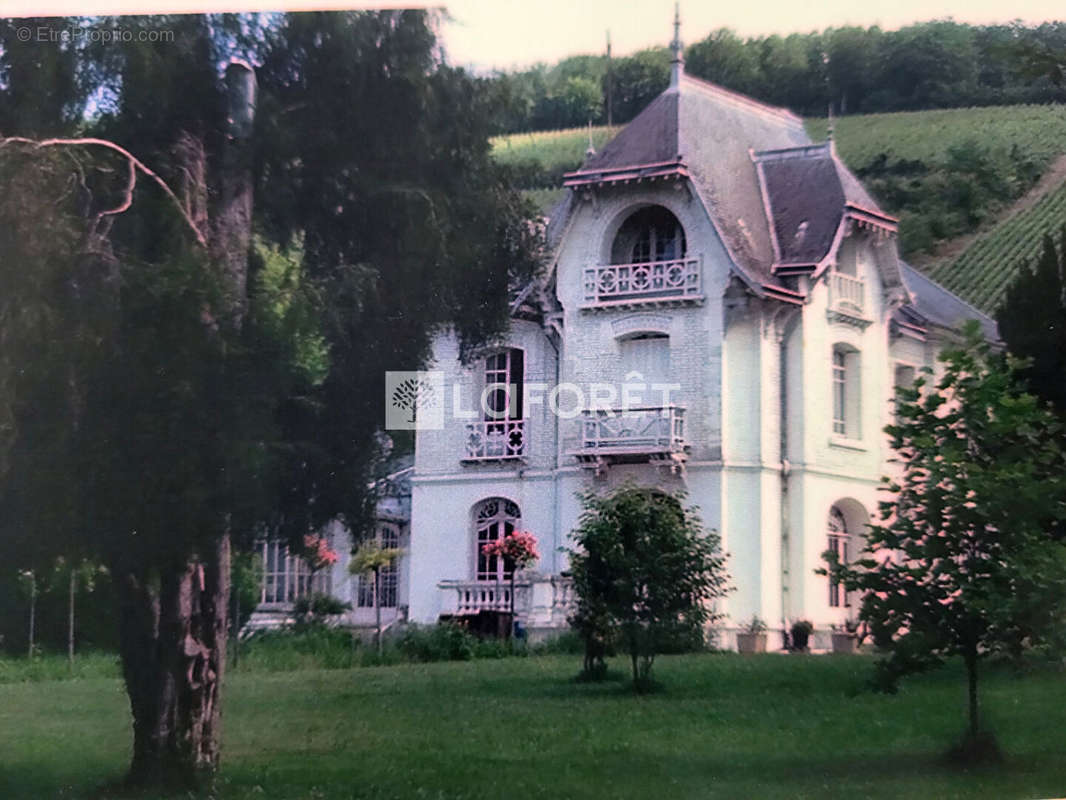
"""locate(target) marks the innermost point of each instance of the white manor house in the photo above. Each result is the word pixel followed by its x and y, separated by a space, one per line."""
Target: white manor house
pixel 712 249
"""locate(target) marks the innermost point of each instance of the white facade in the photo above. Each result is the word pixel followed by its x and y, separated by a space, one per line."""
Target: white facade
pixel 784 380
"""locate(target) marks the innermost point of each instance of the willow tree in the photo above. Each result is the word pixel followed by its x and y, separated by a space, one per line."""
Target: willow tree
pixel 157 397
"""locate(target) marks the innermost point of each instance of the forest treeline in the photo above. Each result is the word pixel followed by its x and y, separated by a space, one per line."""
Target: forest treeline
pixel 940 64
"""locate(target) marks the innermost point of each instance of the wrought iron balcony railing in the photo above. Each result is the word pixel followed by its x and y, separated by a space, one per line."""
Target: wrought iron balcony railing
pixel 664 282
pixel 643 431
pixel 495 440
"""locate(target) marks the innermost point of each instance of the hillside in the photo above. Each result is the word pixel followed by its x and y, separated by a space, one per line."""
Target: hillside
pixel 965 183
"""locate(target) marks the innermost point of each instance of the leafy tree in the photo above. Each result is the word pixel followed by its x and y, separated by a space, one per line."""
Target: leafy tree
pixel 644 562
pixel 961 563
pixel 163 392
pixel 1032 321
pixel 637 80
pixel 724 58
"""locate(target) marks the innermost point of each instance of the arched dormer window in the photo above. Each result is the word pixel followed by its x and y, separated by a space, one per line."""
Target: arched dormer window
pixel 650 234
pixel 647 262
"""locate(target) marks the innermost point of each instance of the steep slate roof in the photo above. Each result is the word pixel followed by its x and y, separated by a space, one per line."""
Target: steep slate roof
pixel 938 306
pixel 777 200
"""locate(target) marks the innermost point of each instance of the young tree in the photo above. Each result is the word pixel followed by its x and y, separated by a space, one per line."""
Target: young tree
pixel 647 563
pixel 961 563
pixel 370 559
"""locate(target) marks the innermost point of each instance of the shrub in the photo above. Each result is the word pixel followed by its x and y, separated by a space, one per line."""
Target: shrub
pixel 446 641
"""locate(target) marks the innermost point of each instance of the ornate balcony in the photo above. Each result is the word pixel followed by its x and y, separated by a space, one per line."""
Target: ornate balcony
pixel 847 299
pixel 495 440
pixel 646 433
pixel 647 283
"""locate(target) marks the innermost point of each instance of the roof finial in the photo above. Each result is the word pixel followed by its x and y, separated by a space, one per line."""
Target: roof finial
pixel 677 65
pixel 592 150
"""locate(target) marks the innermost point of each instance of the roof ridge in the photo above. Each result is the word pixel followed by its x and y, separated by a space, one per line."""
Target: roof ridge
pixel 740 99
pixel 785 153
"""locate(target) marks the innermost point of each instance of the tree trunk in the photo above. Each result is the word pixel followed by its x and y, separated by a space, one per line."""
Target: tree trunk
pixel 173 646
pixel 33 612
pixel 70 620
pixel 377 605
pixel 971 679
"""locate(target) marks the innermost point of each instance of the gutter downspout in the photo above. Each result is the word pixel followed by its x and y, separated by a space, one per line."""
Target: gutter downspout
pixel 786 323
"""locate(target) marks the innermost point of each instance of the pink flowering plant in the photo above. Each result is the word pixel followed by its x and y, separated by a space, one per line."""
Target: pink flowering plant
pixel 520 548
pixel 318 553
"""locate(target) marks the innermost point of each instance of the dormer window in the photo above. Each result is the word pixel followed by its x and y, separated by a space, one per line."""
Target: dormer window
pixel 648 264
pixel 648 235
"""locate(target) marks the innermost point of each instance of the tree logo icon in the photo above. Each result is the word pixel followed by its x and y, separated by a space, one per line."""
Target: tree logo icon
pixel 414 400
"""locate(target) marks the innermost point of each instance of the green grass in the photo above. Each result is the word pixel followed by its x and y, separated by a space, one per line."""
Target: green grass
pixel 982 274
pixel 723 726
pixel 561 150
pixel 1039 131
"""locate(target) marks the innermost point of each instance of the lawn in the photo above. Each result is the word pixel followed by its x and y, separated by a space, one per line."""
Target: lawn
pixel 723 726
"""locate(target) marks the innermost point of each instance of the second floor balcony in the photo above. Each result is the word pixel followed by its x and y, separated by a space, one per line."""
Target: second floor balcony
pixel 847 294
pixel 646 433
pixel 643 283
pixel 495 440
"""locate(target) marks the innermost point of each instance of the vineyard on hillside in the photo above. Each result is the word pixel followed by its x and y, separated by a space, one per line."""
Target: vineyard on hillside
pixel 983 272
pixel 945 174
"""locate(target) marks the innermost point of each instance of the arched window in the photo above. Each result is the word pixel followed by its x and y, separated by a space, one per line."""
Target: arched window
pixel 649 234
pixel 847 406
pixel 494 519
pixel 840 544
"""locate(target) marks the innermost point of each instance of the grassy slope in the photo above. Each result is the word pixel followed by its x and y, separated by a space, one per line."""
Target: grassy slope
pixel 1036 133
pixel 725 726
pixel 982 273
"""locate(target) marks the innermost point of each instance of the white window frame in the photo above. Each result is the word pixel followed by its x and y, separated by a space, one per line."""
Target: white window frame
pixel 846 391
pixel 386 535
pixel 502 372
pixel 839 542
pixel 287 577
pixel 494 518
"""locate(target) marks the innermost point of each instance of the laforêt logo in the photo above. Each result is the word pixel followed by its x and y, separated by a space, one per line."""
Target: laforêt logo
pixel 414 400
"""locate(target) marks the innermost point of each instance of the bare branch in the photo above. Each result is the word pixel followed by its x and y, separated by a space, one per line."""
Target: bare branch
pixel 135 165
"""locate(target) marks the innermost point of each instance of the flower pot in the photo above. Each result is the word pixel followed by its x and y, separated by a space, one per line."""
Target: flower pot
pixel 843 643
pixel 751 642
pixel 800 638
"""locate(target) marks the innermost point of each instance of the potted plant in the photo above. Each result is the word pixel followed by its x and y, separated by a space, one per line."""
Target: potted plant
pixel 800 633
pixel 845 637
pixel 753 638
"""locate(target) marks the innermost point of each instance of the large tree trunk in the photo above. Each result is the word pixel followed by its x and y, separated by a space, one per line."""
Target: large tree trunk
pixel 971 685
pixel 173 646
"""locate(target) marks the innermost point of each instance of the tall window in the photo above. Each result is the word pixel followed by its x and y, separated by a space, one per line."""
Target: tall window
pixel 504 384
pixel 649 355
pixel 840 394
pixel 287 578
pixel 494 519
pixel 904 379
pixel 387 536
pixel 845 388
pixel 650 234
pixel 840 545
